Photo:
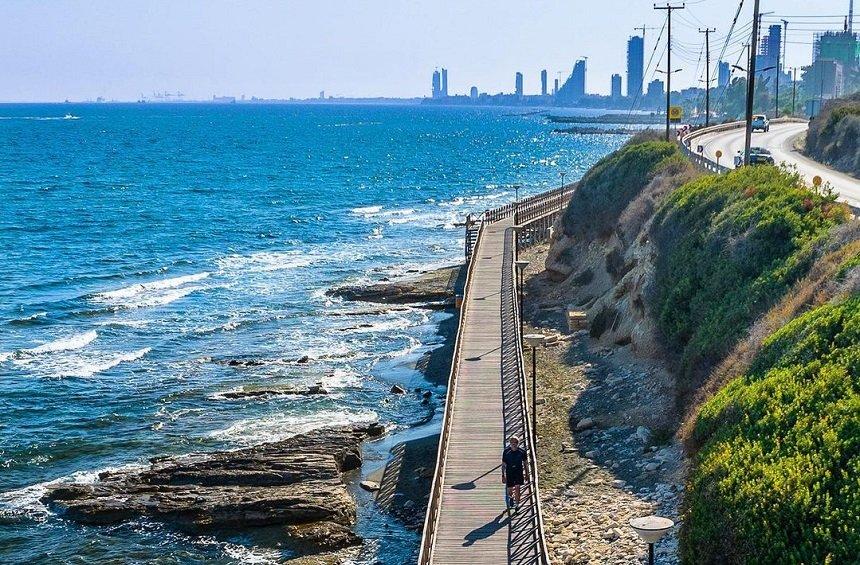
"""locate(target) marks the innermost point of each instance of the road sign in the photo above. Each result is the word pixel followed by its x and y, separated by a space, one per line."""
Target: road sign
pixel 719 154
pixel 676 112
pixel 816 181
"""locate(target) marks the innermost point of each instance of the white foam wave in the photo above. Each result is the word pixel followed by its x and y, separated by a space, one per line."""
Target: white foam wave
pixel 26 502
pixel 361 211
pixel 69 343
pixel 86 369
pixel 141 288
pixel 266 261
pixel 278 427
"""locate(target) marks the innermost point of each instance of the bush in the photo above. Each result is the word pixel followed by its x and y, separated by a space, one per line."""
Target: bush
pixel 776 479
pixel 729 247
pixel 608 187
pixel 834 136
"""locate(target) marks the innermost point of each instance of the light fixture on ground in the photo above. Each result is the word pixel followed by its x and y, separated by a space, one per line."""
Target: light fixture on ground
pixel 651 529
pixel 521 267
pixel 533 341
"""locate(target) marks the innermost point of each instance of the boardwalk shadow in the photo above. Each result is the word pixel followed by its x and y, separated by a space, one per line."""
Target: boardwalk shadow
pixel 469 485
pixel 487 530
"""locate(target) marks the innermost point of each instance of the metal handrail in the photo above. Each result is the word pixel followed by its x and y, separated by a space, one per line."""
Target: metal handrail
pixel 428 538
pixel 512 338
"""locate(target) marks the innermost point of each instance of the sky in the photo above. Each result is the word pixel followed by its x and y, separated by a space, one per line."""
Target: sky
pixel 51 50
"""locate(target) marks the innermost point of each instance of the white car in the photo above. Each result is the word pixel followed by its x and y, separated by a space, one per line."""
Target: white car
pixel 760 123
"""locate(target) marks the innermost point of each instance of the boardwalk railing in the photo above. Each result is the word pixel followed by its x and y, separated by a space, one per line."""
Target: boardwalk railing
pixel 434 504
pixel 535 216
pixel 528 544
pixel 532 207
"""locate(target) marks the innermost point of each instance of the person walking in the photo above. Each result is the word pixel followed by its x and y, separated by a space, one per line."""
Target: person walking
pixel 514 472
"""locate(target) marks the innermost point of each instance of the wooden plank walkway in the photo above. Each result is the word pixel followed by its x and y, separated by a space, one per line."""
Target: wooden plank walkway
pixel 473 526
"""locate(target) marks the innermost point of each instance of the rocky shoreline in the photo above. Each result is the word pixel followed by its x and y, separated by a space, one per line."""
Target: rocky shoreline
pixel 402 486
pixel 297 483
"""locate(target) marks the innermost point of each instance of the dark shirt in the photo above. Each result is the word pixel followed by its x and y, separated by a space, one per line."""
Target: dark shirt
pixel 514 461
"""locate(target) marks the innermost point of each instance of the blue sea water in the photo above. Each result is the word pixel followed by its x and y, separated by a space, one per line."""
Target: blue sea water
pixel 143 246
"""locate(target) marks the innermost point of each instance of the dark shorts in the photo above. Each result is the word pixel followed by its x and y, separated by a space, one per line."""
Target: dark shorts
pixel 514 478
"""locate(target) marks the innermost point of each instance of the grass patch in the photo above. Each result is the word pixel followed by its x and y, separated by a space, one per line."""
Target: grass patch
pixel 608 187
pixel 776 478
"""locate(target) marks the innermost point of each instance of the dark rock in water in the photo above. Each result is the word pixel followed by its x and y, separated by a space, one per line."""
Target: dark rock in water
pixel 427 395
pixel 375 429
pixel 321 536
pixel 370 486
pixel 397 389
pixel 303 359
pixel 434 290
pixel 309 391
pixel 297 481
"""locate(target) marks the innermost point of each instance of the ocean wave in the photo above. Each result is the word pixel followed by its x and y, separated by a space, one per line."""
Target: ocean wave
pixel 89 369
pixel 361 211
pixel 69 343
pixel 266 261
pixel 279 427
pixel 36 318
pixel 142 288
pixel 83 366
pixel 26 502
pixel 41 118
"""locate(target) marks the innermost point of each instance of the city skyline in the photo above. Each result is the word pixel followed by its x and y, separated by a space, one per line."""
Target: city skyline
pixel 83 50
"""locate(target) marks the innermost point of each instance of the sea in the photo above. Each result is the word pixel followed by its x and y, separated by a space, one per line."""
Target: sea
pixel 145 246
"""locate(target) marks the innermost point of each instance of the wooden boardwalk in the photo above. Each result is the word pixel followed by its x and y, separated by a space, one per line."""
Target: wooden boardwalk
pixel 473 525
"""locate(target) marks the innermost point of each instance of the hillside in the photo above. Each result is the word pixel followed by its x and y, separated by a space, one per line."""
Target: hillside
pixel 745 288
pixel 834 135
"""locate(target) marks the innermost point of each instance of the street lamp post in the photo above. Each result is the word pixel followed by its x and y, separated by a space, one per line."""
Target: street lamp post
pixel 561 200
pixel 651 529
pixel 516 219
pixel 521 267
pixel 533 341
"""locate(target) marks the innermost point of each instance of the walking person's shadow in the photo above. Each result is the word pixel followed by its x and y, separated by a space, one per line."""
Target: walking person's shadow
pixel 487 530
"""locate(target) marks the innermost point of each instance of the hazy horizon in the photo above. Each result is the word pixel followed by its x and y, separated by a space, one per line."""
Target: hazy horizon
pixel 83 50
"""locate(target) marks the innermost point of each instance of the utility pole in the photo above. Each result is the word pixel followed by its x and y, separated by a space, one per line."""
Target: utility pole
pixel 794 91
pixel 707 32
pixel 779 63
pixel 751 84
pixel 669 9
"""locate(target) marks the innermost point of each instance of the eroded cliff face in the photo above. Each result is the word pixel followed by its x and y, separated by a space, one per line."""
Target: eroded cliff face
pixel 612 276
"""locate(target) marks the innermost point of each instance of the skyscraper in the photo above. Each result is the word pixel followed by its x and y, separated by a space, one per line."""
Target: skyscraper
pixel 473 93
pixel 769 52
pixel 616 86
pixel 574 87
pixel 444 82
pixel 437 84
pixel 543 82
pixel 724 74
pixel 635 66
pixel 519 85
pixel 555 87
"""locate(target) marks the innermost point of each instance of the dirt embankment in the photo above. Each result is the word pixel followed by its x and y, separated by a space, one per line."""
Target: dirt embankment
pixel 604 450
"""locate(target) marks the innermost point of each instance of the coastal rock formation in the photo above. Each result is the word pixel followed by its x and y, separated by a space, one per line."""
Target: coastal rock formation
pixel 434 289
pixel 295 482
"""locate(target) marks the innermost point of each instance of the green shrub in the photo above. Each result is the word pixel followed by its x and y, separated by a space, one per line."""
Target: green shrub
pixel 729 247
pixel 778 477
pixel 608 187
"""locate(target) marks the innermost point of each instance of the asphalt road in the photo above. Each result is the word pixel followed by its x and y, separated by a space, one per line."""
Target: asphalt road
pixel 780 141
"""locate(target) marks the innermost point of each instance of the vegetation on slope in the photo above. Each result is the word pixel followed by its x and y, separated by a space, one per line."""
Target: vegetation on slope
pixel 608 187
pixel 728 248
pixel 777 478
pixel 834 136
